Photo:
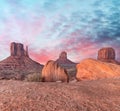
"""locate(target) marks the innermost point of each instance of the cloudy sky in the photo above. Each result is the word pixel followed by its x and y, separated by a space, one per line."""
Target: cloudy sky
pixel 80 27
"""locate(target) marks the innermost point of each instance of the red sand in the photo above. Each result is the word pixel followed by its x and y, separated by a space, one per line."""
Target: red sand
pixel 97 95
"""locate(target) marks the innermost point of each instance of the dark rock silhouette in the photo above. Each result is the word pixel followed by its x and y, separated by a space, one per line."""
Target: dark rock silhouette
pixel 107 54
pixel 63 56
pixel 52 72
pixel 18 65
pixel 63 59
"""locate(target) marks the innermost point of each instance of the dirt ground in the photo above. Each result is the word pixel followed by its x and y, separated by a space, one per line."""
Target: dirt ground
pixel 97 95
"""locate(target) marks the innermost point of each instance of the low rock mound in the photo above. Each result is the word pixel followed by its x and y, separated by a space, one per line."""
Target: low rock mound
pixel 52 72
pixel 91 69
pixel 18 65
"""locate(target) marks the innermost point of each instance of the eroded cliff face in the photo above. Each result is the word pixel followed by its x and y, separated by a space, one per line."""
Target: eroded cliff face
pixel 107 54
pixel 18 64
pixel 17 49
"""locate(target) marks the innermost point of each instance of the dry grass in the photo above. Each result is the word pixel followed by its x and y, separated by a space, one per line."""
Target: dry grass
pixel 35 77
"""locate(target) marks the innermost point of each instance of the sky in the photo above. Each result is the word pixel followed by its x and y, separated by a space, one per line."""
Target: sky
pixel 79 27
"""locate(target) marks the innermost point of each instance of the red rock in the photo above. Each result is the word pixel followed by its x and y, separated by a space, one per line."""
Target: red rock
pixel 13 49
pixel 17 49
pixel 19 64
pixel 20 50
pixel 90 69
pixel 26 52
pixel 52 72
pixel 63 59
pixel 100 95
pixel 64 62
pixel 107 55
pixel 63 55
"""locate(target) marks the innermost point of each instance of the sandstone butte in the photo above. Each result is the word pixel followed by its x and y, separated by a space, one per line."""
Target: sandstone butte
pixel 66 63
pixel 18 65
pixel 107 54
pixel 52 72
pixel 63 60
pixel 91 69
pixel 106 66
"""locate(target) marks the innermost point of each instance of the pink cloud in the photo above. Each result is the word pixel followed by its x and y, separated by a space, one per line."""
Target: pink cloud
pixel 21 30
pixel 33 27
pixel 44 55
pixel 83 47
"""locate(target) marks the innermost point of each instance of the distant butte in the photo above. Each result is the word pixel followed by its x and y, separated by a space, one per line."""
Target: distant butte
pixel 18 65
pixel 107 54
pixel 17 49
pixel 67 64
pixel 63 60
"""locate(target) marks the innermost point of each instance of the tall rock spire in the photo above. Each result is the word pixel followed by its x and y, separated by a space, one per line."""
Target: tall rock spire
pixel 26 52
pixel 13 49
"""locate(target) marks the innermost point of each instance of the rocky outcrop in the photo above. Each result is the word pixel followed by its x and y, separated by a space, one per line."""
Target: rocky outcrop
pixel 63 59
pixel 18 65
pixel 52 72
pixel 17 49
pixel 64 62
pixel 107 55
pixel 63 56
pixel 90 69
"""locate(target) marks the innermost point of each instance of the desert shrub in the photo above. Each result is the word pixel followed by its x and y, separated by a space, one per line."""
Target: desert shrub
pixel 34 77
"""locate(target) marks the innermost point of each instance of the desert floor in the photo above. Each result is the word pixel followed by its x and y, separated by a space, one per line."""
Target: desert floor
pixel 97 95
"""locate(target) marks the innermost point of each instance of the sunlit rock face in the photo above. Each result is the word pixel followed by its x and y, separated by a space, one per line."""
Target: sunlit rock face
pixel 52 72
pixel 18 65
pixel 107 54
pixel 91 69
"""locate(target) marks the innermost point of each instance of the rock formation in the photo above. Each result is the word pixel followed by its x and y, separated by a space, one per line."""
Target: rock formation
pixel 107 55
pixel 63 59
pixel 18 65
pixel 52 72
pixel 91 69
pixel 64 62
pixel 17 49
